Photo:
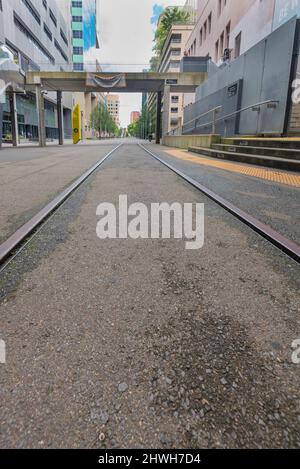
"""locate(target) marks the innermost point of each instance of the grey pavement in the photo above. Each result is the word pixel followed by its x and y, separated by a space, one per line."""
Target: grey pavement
pixel 273 203
pixel 141 343
pixel 31 177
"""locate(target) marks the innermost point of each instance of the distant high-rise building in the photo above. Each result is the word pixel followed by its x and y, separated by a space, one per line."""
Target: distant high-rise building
pixel 134 116
pixel 83 15
pixel 113 107
pixel 169 61
pixel 83 18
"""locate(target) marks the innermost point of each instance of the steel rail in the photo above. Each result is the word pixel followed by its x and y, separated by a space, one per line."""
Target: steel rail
pixel 289 247
pixel 20 236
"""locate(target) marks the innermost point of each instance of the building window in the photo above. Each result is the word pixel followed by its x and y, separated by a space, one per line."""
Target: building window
pixel 209 23
pixel 77 4
pixel 220 8
pixel 14 51
pixel 32 10
pixel 227 39
pixel 176 38
pixel 78 50
pixel 27 64
pixel 77 19
pixel 205 31
pixel 222 45
pixel 217 52
pixel 63 36
pixel 237 48
pixel 23 28
pixel 77 34
pixel 53 18
pixel 174 110
pixel 175 99
pixel 78 67
pixel 174 122
pixel 60 51
pixel 48 32
pixel 174 64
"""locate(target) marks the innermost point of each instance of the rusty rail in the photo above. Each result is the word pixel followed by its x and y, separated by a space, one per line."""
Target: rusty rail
pixel 17 238
pixel 291 248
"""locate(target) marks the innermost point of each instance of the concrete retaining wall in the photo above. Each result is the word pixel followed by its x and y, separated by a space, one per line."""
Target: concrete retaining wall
pixel 186 141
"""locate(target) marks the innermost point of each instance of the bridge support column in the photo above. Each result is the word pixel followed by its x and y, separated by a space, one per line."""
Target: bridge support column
pixel 1 124
pixel 60 120
pixel 158 117
pixel 14 118
pixel 40 102
pixel 166 110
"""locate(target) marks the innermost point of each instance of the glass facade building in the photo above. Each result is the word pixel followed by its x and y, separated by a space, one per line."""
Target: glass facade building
pixel 39 38
pixel 84 30
pixel 77 30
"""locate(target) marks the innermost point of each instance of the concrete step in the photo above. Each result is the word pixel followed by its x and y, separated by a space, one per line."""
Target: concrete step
pixel 268 161
pixel 264 142
pixel 288 153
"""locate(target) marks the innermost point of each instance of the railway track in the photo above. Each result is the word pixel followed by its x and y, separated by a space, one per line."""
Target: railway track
pixel 285 245
pixel 20 239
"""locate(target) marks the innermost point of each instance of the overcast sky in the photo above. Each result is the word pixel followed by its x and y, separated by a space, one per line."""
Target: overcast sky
pixel 126 35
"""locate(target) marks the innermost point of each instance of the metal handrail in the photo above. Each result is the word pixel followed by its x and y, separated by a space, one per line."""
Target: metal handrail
pixel 215 109
pixel 172 132
pixel 224 118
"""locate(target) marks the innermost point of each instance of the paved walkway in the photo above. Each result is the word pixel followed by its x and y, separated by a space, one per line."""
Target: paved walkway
pixel 141 343
pixel 271 196
pixel 280 177
pixel 32 177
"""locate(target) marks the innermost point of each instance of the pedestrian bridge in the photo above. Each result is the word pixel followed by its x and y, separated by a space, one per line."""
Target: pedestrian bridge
pixel 150 82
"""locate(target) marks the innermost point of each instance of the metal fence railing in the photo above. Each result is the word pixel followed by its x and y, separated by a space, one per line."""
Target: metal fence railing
pixel 271 103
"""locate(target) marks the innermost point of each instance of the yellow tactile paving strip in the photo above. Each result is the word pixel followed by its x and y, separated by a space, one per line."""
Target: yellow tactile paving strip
pixel 277 139
pixel 280 177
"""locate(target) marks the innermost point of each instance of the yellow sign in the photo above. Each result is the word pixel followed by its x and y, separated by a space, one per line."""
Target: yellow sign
pixel 76 124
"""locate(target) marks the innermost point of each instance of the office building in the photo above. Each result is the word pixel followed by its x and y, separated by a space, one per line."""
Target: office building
pixel 40 39
pixel 113 107
pixel 134 116
pixel 83 16
pixel 169 61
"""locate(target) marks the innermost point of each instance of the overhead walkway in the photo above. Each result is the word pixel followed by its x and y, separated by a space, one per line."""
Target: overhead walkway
pixel 159 83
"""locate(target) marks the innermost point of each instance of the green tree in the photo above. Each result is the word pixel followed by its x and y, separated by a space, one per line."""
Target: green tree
pixel 170 17
pixel 133 129
pixel 141 128
pixel 154 63
pixel 102 121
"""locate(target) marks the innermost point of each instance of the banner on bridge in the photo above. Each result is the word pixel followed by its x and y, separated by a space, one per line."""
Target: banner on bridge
pixel 98 80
